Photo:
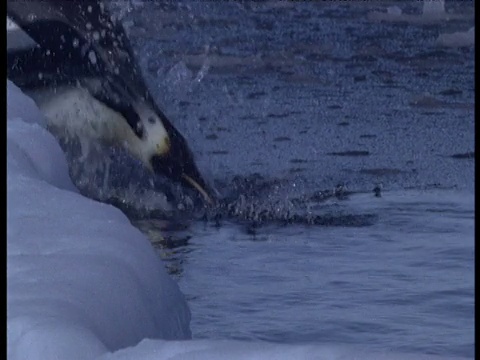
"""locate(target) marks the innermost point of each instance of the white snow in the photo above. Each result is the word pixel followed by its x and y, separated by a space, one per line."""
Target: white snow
pixel 432 11
pixel 16 38
pixel 81 279
pixel 394 11
pixel 83 283
pixel 433 7
pixel 457 39
pixel 11 25
pixel 237 350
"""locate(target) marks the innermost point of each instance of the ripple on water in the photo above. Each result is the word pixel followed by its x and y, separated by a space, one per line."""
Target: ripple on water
pixel 388 284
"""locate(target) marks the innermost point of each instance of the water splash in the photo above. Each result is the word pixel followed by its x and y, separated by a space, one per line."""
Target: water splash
pixel 257 201
pixel 252 201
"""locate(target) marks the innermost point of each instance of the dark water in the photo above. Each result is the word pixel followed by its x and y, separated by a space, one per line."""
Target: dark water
pixel 297 111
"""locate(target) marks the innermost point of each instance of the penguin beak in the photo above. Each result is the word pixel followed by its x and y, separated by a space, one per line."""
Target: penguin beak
pixel 188 180
pixel 178 165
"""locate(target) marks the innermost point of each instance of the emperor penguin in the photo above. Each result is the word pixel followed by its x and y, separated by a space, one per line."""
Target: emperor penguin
pixel 82 74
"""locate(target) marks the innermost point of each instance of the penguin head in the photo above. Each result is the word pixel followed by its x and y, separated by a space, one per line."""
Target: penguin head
pixel 167 153
pixel 145 131
pixel 149 135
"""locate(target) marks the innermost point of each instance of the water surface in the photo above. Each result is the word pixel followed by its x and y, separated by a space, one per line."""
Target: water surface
pixel 296 113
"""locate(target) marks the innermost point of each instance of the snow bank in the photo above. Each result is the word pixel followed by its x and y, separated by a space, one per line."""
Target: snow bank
pixel 81 279
pixel 237 350
pixel 16 38
pixel 83 283
pixel 457 39
pixel 433 8
pixel 433 11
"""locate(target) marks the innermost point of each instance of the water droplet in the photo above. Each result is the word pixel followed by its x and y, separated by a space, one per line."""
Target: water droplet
pixel 84 49
pixel 40 76
pixel 92 57
pixel 89 8
pixel 76 42
pixel 88 26
pixel 96 35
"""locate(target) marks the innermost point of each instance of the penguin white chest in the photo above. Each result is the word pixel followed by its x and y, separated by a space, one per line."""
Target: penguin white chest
pixel 73 112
